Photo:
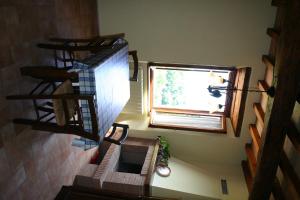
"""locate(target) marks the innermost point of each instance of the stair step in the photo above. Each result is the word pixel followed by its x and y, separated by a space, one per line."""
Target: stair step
pixel 276 190
pixel 294 136
pixel 259 127
pixel 268 61
pixel 273 33
pixel 256 141
pixel 247 174
pixel 251 159
pixel 269 69
pixel 263 86
pixel 259 112
pixel 255 134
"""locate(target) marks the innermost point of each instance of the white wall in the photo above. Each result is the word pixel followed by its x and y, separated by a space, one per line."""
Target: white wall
pixel 187 182
pixel 199 182
pixel 220 32
pixel 213 32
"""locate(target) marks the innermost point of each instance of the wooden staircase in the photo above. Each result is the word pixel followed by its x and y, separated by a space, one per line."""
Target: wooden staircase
pixel 268 168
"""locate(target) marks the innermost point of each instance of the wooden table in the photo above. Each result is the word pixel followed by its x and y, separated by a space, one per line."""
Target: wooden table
pixel 106 75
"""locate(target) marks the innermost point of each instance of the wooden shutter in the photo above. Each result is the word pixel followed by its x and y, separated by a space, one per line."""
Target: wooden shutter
pixel 239 99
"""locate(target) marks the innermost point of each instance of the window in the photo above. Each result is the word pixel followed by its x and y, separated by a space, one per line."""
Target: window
pixel 179 97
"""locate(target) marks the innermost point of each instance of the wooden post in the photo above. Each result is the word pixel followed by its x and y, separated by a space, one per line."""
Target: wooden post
pixel 287 69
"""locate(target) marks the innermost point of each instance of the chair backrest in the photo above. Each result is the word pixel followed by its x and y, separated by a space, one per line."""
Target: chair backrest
pixel 64 108
pixel 49 73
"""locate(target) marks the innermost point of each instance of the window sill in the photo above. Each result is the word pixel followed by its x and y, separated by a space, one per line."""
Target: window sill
pixel 198 122
pixel 138 123
pixel 184 128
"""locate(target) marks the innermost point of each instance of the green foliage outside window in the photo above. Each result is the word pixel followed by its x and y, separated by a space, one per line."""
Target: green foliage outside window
pixel 168 84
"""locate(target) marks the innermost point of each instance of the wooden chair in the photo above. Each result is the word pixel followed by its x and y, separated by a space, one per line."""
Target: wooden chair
pixel 69 47
pixel 65 49
pixel 49 73
pixel 135 65
pixel 58 110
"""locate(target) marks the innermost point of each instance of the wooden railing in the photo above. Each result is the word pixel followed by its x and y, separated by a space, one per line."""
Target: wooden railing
pixel 266 157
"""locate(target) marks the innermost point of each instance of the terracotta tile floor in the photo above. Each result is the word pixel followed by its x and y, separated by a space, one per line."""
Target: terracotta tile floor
pixel 34 165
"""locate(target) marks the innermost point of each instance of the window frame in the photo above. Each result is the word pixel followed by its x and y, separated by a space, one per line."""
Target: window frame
pixel 223 115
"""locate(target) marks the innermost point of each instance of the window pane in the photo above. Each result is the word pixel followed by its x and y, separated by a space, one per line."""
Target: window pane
pixel 185 89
